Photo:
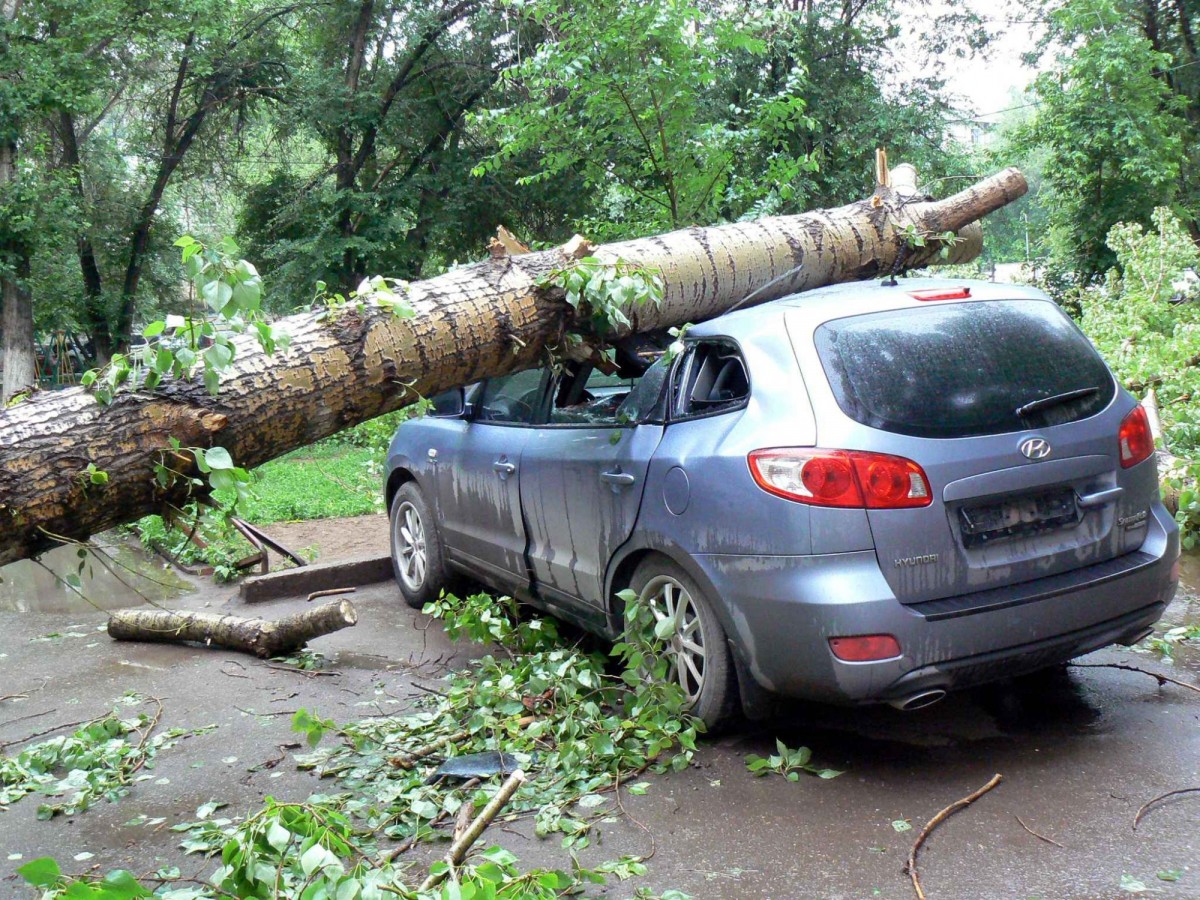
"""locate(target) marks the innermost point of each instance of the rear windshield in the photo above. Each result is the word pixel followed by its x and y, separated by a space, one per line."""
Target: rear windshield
pixel 964 369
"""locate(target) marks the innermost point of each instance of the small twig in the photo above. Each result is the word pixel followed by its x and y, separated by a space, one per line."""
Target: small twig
pixel 331 592
pixel 463 822
pixel 429 690
pixel 14 697
pixel 461 847
pixel 266 715
pixel 634 820
pixel 911 866
pixel 1040 837
pixel 28 717
pixel 1149 803
pixel 38 734
pixel 409 760
pixel 307 673
pixel 1160 678
pixel 232 674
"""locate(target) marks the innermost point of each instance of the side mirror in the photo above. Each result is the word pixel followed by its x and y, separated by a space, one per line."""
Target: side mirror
pixel 448 404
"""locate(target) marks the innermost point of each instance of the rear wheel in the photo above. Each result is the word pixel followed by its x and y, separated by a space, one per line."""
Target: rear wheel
pixel 697 650
pixel 417 558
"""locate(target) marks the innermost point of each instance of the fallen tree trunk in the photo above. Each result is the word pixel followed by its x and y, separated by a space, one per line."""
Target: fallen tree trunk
pixel 480 320
pixel 260 637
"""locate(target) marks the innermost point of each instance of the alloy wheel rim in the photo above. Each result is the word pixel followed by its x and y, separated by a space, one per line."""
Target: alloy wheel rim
pixel 685 650
pixel 409 540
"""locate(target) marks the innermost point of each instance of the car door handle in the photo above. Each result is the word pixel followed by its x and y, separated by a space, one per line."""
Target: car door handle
pixel 617 478
pixel 503 468
pixel 1100 498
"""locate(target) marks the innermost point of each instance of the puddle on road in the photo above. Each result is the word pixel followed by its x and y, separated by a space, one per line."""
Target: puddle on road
pixel 112 581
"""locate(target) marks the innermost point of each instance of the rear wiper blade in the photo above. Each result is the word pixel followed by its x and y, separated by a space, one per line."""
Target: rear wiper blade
pixel 1046 402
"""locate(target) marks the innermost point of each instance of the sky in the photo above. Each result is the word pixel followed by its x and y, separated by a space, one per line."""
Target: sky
pixel 994 82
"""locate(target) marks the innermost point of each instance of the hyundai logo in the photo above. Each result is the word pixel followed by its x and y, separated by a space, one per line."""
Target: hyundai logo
pixel 1035 448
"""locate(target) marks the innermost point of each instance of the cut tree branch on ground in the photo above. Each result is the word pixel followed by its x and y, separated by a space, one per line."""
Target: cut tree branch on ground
pixel 260 637
pixel 461 847
pixel 911 866
pixel 498 316
pixel 1149 803
pixel 1158 676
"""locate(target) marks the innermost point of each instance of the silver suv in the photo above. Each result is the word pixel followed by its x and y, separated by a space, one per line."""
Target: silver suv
pixel 863 493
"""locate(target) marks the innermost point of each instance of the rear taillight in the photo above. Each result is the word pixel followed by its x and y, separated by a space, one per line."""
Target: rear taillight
pixel 1135 440
pixel 842 478
pixel 865 647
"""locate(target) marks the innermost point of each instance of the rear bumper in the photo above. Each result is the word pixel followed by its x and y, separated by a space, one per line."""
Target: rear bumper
pixel 779 612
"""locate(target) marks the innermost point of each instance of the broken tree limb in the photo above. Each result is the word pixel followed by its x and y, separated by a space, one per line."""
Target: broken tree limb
pixel 911 865
pixel 462 845
pixel 260 637
pixel 345 366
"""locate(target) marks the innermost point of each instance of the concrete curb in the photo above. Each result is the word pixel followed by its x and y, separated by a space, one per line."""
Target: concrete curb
pixel 350 572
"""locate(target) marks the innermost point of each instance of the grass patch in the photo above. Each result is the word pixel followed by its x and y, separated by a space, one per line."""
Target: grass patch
pixel 318 482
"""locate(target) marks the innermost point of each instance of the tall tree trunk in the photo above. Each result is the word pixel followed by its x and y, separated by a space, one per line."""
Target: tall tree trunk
pixel 17 305
pixel 476 321
pixel 95 309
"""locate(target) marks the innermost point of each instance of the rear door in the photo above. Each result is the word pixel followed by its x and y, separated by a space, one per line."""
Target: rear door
pixel 1014 418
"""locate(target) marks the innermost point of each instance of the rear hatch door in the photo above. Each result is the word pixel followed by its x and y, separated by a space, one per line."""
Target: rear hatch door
pixel 1014 418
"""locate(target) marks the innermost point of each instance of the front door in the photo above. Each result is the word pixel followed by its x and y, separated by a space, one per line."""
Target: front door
pixel 479 481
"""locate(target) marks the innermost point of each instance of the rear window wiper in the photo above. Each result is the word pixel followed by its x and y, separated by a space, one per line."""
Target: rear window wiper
pixel 1047 402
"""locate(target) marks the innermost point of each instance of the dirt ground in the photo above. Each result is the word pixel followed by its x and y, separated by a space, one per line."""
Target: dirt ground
pixel 1080 752
pixel 333 539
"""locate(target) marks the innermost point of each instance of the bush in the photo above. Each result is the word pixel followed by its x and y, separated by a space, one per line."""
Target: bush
pixel 1150 334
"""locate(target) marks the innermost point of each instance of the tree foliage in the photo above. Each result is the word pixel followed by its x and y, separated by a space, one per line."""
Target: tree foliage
pixel 1117 120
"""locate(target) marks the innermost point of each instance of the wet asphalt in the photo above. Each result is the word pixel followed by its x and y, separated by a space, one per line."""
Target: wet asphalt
pixel 1080 751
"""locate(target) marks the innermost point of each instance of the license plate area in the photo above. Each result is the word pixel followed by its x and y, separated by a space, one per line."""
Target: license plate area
pixel 1018 517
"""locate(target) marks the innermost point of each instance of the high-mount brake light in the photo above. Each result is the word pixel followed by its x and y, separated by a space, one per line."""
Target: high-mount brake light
pixel 851 479
pixel 955 293
pixel 1135 441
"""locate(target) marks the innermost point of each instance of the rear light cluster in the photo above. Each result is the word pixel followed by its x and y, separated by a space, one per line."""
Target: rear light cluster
pixel 1135 438
pixel 841 478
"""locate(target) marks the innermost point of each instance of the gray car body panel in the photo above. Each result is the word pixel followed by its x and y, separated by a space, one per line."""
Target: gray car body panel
pixel 785 576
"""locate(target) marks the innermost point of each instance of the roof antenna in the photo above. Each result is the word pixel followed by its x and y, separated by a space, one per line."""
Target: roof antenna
pixel 758 290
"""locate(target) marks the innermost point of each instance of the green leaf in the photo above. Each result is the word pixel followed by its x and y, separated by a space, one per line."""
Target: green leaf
pixel 218 458
pixel 154 329
pixel 42 872
pixel 278 836
pixel 219 355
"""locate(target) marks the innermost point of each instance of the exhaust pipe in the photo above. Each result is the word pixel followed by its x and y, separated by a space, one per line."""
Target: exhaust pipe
pixel 919 700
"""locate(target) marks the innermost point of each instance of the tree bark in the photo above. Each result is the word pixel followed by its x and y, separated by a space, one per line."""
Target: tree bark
pixel 476 321
pixel 259 637
pixel 15 301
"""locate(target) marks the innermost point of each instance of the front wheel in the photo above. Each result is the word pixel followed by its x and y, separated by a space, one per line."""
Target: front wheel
pixel 697 650
pixel 417 559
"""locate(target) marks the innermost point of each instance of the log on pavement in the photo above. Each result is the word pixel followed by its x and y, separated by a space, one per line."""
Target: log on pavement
pixel 480 320
pixel 261 637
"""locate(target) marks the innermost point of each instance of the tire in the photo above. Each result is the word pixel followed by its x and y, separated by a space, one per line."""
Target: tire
pixel 417 557
pixel 668 590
